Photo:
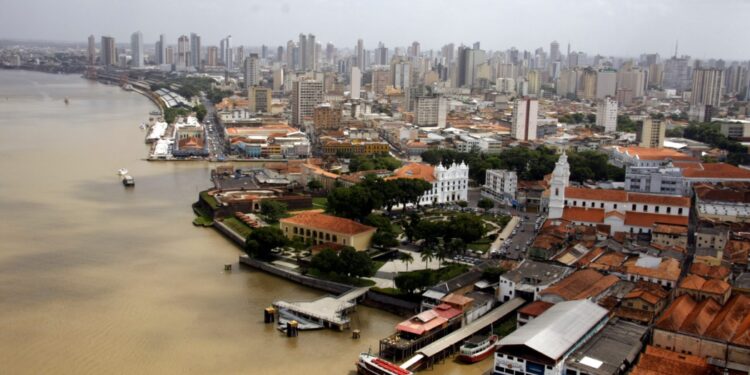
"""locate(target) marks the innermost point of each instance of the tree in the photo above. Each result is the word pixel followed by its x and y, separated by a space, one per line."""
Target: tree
pixel 427 254
pixel 262 240
pixel 326 261
pixel 200 112
pixel 406 258
pixel 314 185
pixel 591 118
pixel 272 210
pixel 486 203
pixel 462 204
pixel 384 236
pixel 355 263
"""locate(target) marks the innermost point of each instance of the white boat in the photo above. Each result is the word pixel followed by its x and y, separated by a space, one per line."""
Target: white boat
pixel 372 365
pixel 122 171
pixel 128 181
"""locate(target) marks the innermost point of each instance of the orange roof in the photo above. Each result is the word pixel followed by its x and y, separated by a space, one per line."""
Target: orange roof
pixel 535 308
pixel 582 284
pixel 420 171
pixel 588 215
pixel 608 261
pixel 596 194
pixel 657 361
pixel 730 323
pixel 648 153
pixel 710 272
pixel 457 300
pixel 676 314
pixel 670 229
pixel 713 170
pixel 649 292
pixel 711 286
pixel 327 222
pixel 668 269
pixel 669 200
pixel 641 219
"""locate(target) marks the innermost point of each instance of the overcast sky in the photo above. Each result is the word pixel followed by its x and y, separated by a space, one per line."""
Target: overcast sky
pixel 704 28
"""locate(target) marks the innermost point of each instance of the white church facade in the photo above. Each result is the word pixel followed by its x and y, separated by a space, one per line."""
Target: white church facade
pixel 449 184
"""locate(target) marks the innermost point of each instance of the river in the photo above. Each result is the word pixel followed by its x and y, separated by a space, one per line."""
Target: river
pixel 96 278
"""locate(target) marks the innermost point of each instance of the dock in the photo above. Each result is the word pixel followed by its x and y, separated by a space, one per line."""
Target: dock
pixel 326 312
pixel 447 344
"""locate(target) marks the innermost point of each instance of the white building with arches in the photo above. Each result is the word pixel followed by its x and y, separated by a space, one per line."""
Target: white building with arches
pixel 449 184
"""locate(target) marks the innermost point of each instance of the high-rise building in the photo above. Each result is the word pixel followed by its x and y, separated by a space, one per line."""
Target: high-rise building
pixel 401 74
pixel 606 114
pixel 259 99
pixel 381 79
pixel 136 48
pixel 280 54
pixel 535 82
pixel 708 87
pixel 92 50
pixel 361 54
pixel 225 52
pixel 606 83
pixel 183 51
pixel 525 111
pixel 264 52
pixel 161 50
pixel 252 70
pixel 307 61
pixel 468 62
pixel 356 82
pixel 414 49
pixel 652 133
pixel 212 56
pixel 289 57
pixel 632 79
pixel 278 77
pixel 195 51
pixel 239 56
pixel 330 53
pixel 447 52
pixel 554 51
pixel 108 51
pixel 306 94
pixel 381 55
pixel 676 74
pixel 169 55
pixel 430 110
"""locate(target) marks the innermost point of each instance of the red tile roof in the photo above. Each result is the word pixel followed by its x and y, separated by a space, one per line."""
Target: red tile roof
pixel 535 308
pixel 646 220
pixel 668 269
pixel 713 170
pixel 670 229
pixel 421 171
pixel 657 361
pixel 668 200
pixel 648 153
pixel 596 194
pixel 710 272
pixel 730 323
pixel 580 214
pixel 329 223
pixel 582 284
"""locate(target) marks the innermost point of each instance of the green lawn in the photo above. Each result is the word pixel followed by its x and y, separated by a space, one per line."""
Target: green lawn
pixel 340 279
pixel 209 199
pixel 241 228
pixel 320 203
pixel 203 221
pixel 479 246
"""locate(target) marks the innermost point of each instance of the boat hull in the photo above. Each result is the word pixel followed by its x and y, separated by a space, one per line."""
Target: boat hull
pixel 477 357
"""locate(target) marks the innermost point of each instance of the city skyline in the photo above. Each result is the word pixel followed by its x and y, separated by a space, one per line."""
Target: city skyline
pixel 594 27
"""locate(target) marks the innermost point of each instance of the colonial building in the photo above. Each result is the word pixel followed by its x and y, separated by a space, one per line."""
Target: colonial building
pixel 321 228
pixel 449 184
pixel 621 211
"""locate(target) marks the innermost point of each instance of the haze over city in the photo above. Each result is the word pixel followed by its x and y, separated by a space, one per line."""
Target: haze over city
pixel 705 29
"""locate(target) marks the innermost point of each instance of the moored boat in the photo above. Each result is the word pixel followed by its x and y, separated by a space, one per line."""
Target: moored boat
pixel 372 365
pixel 122 171
pixel 477 348
pixel 128 180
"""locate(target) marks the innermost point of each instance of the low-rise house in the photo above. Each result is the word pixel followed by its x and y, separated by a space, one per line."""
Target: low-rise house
pixel 662 271
pixel 700 289
pixel 531 312
pixel 707 329
pixel 528 279
pixel 319 228
pixel 582 284
pixel 658 361
pixel 670 235
pixel 643 303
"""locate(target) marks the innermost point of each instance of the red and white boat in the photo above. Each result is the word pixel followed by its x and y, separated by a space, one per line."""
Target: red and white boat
pixel 478 348
pixel 372 365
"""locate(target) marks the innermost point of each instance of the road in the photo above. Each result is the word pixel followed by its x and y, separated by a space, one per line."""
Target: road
pixel 217 147
pixel 524 235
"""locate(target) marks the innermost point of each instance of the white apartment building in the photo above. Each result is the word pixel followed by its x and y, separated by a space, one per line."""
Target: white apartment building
pixel 606 114
pixel 306 94
pixel 525 112
pixel 500 185
pixel 430 111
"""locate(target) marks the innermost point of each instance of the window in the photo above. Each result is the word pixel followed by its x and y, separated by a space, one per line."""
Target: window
pixel 679 211
pixel 615 206
pixel 601 205
pixel 656 209
pixel 575 203
pixel 645 208
pixel 635 208
pixel 669 210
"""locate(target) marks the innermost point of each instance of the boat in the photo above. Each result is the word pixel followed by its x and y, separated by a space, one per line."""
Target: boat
pixel 122 171
pixel 372 365
pixel 477 348
pixel 128 180
pixel 67 101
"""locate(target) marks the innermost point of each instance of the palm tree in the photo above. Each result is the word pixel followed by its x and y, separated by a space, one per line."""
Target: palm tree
pixel 427 254
pixel 406 258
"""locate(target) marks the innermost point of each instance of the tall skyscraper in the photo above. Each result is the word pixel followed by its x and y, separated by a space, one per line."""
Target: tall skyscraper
pixel 447 52
pixel 92 50
pixel 401 74
pixel 356 82
pixel 161 50
pixel 264 52
pixel 108 51
pixel 330 53
pixel 183 51
pixel 289 57
pixel 708 87
pixel 676 73
pixel 525 112
pixel 252 70
pixel 212 56
pixel 535 82
pixel 136 48
pixel 468 62
pixel 306 94
pixel 606 114
pixel 381 54
pixel 554 51
pixel 652 133
pixel 195 51
pixel 169 55
pixel 606 83
pixel 415 49
pixel 361 54
pixel 302 52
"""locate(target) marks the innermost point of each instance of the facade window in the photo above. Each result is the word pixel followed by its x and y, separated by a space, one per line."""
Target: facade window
pixel 645 208
pixel 669 210
pixel 656 209
pixel 575 203
pixel 601 205
pixel 615 206
pixel 635 208
pixel 679 211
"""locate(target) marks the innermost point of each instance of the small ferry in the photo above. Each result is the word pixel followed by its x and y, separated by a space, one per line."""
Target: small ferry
pixel 477 348
pixel 128 181
pixel 122 171
pixel 372 365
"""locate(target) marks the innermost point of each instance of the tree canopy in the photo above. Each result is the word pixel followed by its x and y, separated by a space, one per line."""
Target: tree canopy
pixel 373 162
pixel 272 210
pixel 262 240
pixel 710 133
pixel 358 201
pixel 348 263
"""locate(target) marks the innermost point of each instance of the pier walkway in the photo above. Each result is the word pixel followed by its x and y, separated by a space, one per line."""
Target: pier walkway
pixel 445 345
pixel 330 312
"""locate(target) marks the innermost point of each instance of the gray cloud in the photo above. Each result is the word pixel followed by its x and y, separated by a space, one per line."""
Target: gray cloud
pixel 622 28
